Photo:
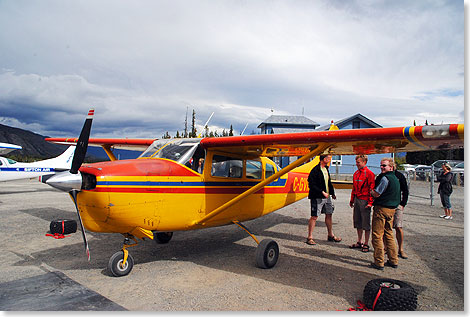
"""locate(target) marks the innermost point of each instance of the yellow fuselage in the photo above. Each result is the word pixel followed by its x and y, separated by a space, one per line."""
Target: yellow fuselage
pixel 142 195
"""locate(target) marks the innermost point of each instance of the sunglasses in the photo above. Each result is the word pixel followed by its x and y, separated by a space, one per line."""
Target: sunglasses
pixel 383 165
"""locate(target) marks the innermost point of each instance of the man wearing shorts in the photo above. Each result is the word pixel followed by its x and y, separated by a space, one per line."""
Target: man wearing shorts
pixel 398 218
pixel 361 201
pixel 320 193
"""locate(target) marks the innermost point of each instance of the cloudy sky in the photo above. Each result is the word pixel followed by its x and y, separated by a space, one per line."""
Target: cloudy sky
pixel 141 64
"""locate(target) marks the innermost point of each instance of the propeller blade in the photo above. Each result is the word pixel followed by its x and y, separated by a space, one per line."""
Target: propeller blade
pixel 73 194
pixel 82 143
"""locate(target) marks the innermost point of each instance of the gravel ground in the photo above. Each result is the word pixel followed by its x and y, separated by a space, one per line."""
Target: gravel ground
pixel 213 269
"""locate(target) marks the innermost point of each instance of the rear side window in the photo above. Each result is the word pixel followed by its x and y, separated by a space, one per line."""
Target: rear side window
pixel 253 169
pixel 269 171
pixel 224 166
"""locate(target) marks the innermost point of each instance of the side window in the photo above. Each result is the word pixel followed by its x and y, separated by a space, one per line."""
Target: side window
pixel 269 171
pixel 253 169
pixel 224 166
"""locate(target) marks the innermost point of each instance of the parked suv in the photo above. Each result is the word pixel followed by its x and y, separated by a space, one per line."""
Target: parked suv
pixel 458 170
pixel 422 171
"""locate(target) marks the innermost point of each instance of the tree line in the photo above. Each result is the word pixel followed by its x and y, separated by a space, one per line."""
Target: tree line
pixel 192 131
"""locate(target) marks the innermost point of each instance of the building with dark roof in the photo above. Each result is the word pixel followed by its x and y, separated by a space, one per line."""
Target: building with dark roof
pixel 287 124
pixel 340 164
pixel 357 121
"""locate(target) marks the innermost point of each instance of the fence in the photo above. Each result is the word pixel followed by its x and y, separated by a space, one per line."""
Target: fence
pixel 411 177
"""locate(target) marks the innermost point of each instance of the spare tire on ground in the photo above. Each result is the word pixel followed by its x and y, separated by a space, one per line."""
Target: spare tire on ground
pixel 395 295
pixel 63 226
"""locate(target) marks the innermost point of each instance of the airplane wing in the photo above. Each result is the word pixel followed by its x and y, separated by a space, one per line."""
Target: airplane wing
pixel 340 142
pixel 6 148
pixel 344 142
pixel 123 144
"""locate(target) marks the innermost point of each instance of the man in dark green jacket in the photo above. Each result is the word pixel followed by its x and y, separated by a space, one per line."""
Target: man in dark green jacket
pixel 386 199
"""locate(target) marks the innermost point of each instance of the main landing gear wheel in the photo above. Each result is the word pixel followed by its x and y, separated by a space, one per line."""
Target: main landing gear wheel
pixel 115 264
pixel 162 237
pixel 267 254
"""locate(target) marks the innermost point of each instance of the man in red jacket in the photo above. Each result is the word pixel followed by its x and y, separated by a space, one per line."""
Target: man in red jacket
pixel 361 201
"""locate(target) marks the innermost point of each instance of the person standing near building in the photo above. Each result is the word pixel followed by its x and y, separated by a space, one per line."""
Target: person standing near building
pixel 398 217
pixel 320 193
pixel 445 190
pixel 386 199
pixel 361 200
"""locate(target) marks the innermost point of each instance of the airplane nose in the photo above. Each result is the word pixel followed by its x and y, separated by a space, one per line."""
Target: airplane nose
pixel 66 181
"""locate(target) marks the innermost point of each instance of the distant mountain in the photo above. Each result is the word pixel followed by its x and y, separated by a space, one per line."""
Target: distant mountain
pixel 34 146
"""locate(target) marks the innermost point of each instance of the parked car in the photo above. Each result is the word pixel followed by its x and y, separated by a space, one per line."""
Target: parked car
pixel 424 170
pixel 458 170
pixel 408 167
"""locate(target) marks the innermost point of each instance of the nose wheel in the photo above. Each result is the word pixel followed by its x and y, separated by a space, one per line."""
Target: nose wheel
pixel 118 267
pixel 121 262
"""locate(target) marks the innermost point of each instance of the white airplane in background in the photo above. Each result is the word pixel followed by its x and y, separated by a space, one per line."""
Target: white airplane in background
pixel 12 170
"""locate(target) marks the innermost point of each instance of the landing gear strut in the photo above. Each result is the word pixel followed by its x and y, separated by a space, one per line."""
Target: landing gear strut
pixel 121 263
pixel 267 252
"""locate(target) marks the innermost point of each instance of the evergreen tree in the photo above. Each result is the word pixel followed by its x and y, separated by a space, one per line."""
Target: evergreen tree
pixel 230 133
pixel 177 135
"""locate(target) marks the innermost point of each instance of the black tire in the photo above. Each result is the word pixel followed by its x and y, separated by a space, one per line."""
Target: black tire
pixel 162 237
pixel 63 226
pixel 396 295
pixel 114 264
pixel 267 254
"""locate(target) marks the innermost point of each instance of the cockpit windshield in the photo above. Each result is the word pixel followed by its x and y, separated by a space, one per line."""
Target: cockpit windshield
pixel 179 150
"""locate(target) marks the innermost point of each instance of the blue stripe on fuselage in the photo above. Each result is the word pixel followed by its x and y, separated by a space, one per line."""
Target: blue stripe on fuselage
pixel 279 182
pixel 27 169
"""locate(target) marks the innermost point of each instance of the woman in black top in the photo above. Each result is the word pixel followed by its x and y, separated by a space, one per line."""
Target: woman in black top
pixel 445 190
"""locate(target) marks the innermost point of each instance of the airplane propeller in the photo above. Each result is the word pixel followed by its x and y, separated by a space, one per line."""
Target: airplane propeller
pixel 82 143
pixel 71 181
pixel 73 193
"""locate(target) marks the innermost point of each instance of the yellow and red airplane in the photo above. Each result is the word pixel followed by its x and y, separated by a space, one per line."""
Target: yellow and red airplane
pixel 164 190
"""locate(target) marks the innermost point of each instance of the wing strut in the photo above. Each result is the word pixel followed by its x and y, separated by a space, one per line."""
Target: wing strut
pixel 107 149
pixel 318 150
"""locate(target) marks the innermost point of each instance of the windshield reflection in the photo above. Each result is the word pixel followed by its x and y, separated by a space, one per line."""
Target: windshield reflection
pixel 179 150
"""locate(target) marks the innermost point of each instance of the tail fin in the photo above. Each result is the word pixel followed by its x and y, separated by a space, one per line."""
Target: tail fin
pixel 63 161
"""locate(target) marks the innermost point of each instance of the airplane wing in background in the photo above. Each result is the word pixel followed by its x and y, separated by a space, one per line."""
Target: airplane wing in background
pixel 122 144
pixel 6 148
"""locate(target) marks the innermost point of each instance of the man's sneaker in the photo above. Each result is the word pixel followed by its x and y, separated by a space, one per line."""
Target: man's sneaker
pixel 448 217
pixel 442 216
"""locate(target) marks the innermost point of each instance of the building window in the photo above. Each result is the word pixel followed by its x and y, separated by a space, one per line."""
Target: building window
pixel 356 124
pixel 337 160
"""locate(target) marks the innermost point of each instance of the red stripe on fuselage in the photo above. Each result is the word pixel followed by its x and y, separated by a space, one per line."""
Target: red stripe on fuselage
pixel 296 183
pixel 138 167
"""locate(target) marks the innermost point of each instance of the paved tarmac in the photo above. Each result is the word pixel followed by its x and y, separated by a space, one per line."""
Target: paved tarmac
pixel 213 269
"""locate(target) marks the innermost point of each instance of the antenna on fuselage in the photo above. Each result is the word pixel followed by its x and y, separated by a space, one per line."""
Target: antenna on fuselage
pixel 207 122
pixel 244 129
